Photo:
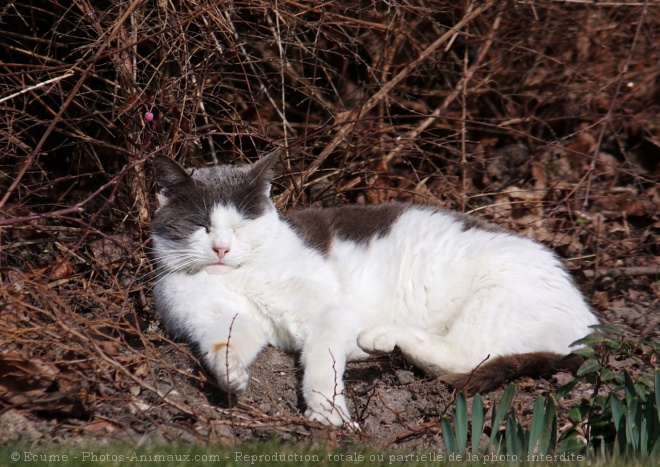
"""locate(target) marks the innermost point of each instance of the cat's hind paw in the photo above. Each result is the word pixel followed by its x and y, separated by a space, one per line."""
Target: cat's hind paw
pixel 378 340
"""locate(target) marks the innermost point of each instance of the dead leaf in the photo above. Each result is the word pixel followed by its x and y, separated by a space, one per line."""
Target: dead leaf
pixel 600 300
pixel 35 385
pixel 142 370
pixel 100 427
pixel 112 249
pixel 583 144
pixel 381 190
pixel 636 208
pixel 60 270
pixel 110 347
pixel 540 175
pixel 607 164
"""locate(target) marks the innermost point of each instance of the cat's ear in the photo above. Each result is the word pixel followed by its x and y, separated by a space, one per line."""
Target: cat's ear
pixel 168 174
pixel 264 168
pixel 263 171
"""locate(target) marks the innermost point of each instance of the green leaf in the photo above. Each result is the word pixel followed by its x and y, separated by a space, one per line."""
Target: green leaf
pixel 655 452
pixel 538 421
pixel 607 375
pixel 643 437
pixel 610 329
pixel 574 444
pixel 505 402
pixel 548 441
pixel 652 428
pixel 448 436
pixel 477 423
pixel 588 341
pixel 589 366
pixel 657 391
pixel 566 388
pixel 586 352
pixel 511 435
pixel 617 410
pixel 461 423
pixel 632 429
pixel 629 385
pixel 575 414
pixel 499 412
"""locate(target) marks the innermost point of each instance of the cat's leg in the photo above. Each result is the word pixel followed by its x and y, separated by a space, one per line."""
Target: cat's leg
pixel 229 344
pixel 429 352
pixel 324 362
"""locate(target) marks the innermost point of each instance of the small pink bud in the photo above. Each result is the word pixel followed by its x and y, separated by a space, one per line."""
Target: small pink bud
pixel 148 116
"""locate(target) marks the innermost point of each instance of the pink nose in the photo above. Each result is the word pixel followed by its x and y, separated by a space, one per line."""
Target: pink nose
pixel 220 251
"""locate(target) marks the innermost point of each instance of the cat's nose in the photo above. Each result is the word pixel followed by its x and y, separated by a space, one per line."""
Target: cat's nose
pixel 220 251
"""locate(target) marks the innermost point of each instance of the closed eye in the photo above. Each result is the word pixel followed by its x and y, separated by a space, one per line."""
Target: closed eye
pixel 205 227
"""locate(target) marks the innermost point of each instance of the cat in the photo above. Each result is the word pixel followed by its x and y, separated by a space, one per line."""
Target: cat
pixel 451 292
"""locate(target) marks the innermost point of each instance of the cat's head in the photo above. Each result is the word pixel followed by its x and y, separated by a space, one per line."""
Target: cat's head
pixel 215 218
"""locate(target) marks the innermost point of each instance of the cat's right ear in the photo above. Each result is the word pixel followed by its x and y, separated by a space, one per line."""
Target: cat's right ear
pixel 168 174
pixel 263 169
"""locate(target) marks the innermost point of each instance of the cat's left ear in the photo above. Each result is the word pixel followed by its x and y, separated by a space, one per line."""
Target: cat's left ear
pixel 263 170
pixel 169 175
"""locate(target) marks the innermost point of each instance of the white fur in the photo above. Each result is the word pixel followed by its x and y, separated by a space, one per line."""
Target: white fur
pixel 447 298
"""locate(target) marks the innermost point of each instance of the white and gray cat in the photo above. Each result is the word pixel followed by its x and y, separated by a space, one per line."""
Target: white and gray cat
pixel 341 284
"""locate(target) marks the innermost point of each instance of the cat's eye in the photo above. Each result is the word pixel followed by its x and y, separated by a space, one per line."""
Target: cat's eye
pixel 205 227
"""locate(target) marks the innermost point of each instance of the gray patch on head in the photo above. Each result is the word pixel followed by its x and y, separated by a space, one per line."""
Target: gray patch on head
pixel 359 224
pixel 191 199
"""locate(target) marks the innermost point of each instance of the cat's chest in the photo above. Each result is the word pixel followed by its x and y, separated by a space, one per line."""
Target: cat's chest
pixel 282 296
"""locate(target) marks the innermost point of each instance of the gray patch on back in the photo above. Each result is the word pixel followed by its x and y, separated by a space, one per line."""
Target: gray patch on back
pixel 359 224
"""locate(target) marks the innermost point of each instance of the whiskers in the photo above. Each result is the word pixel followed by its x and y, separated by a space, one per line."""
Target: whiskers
pixel 170 259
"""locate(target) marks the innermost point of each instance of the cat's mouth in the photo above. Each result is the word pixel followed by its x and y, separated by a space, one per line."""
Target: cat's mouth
pixel 218 268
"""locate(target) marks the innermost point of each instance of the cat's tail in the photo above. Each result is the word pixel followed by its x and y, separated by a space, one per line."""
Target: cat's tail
pixel 496 371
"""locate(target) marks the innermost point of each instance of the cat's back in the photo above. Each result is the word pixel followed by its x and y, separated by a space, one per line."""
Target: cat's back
pixel 410 226
pixel 414 257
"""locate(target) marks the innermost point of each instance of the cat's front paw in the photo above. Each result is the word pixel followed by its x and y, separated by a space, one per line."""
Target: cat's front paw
pixel 378 340
pixel 230 373
pixel 329 412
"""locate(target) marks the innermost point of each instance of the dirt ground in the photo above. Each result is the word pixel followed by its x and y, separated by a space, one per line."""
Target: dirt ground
pixel 541 117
